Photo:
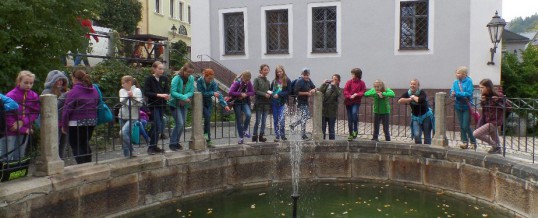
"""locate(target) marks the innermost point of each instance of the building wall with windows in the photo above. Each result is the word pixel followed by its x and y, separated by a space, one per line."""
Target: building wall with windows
pixel 394 40
pixel 158 17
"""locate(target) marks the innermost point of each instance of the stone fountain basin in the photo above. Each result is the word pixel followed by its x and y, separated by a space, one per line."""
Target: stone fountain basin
pixel 118 186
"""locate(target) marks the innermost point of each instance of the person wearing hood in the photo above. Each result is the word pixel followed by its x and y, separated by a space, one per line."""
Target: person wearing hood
pixel 79 115
pixel 57 84
pixel 19 125
pixel 462 91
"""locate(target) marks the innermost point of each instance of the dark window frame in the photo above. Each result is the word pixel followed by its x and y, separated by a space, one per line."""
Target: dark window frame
pixel 172 3
pixel 325 22
pixel 158 6
pixel 237 45
pixel 180 13
pixel 280 26
pixel 417 31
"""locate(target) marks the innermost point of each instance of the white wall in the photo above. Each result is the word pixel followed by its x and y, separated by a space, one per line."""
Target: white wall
pixel 481 13
pixel 201 31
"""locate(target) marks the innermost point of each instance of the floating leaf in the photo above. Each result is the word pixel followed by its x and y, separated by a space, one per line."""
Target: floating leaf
pixel 253 206
pixel 484 215
pixel 262 194
pixel 387 205
pixel 378 209
pixel 345 212
pixel 178 210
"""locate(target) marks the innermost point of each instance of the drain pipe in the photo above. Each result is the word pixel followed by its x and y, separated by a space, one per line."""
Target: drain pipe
pixel 295 197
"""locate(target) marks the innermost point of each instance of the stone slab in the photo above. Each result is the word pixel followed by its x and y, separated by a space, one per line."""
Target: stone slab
pixel 76 175
pixel 179 158
pixel 442 174
pixel 512 193
pixel 61 203
pixel 25 188
pixel 370 166
pixel 332 164
pixel 478 182
pixel 406 169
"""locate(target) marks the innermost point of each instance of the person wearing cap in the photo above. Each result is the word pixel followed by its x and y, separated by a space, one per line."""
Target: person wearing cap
pixel 304 88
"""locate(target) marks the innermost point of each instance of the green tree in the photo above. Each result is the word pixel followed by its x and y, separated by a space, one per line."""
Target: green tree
pixel 178 53
pixel 121 15
pixel 519 78
pixel 520 25
pixel 34 34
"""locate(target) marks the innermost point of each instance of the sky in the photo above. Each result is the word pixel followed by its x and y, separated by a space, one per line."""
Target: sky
pixel 519 8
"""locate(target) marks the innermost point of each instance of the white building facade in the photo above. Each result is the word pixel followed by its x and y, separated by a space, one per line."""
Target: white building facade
pixel 391 40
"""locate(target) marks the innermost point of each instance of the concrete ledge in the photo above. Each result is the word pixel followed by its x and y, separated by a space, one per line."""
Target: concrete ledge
pixel 115 186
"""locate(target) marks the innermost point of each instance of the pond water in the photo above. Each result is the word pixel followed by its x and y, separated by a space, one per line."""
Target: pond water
pixel 325 199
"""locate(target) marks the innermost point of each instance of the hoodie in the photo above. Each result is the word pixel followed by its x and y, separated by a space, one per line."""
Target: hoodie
pixel 52 78
pixel 354 86
pixel 464 94
pixel 81 103
pixel 28 110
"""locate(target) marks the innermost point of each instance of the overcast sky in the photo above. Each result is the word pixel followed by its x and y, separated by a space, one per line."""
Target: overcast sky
pixel 519 8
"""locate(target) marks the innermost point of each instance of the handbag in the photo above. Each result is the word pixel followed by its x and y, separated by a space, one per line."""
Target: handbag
pixel 135 133
pixel 104 114
pixel 472 111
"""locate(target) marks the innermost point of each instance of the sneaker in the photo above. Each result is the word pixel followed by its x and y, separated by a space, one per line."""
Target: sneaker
pixel 210 144
pixel 464 146
pixel 350 137
pixel 374 139
pixel 151 150
pixel 158 150
pixel 354 135
pixel 247 135
pixel 495 150
pixel 277 140
pixel 292 127
pixel 284 138
pixel 240 141
pixel 304 137
pixel 262 139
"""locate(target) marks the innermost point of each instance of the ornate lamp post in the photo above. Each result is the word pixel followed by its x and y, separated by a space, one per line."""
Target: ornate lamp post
pixel 496 28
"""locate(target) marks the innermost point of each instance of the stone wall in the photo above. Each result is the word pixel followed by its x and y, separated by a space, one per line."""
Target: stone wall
pixel 108 188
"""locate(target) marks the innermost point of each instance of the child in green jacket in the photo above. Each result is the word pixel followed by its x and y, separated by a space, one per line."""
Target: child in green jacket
pixel 381 95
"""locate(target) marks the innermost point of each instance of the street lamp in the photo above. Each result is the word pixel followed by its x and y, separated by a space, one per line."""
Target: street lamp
pixel 496 28
pixel 174 30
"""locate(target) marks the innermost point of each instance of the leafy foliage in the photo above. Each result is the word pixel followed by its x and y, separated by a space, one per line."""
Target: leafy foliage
pixel 34 34
pixel 519 78
pixel 121 15
pixel 520 25
pixel 177 54
pixel 108 75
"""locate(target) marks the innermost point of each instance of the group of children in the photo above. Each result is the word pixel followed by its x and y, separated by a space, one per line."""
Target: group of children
pixel 77 107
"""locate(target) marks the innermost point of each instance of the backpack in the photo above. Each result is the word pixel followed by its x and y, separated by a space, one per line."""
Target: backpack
pixel 292 92
pixel 2 119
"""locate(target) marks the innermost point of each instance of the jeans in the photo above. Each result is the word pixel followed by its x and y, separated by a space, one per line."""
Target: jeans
pixel 385 119
pixel 425 127
pixel 242 126
pixel 126 144
pixel 79 138
pixel 352 117
pixel 332 122
pixel 279 120
pixel 16 145
pixel 179 116
pixel 142 125
pixel 158 125
pixel 465 126
pixel 207 118
pixel 261 117
pixel 304 115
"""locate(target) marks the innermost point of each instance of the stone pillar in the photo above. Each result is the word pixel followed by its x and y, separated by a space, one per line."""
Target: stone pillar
pixel 111 45
pixel 440 120
pixel 49 162
pixel 317 116
pixel 197 138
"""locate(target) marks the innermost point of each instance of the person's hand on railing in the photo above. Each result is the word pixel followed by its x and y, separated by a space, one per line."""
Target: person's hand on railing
pixel 216 94
pixel 275 96
pixel 227 108
pixel 380 94
pixel 16 126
